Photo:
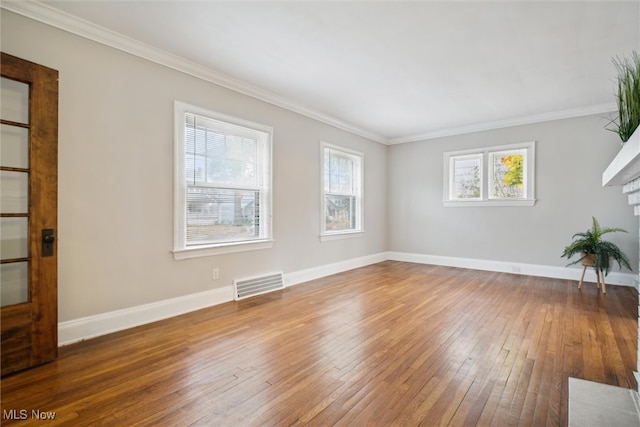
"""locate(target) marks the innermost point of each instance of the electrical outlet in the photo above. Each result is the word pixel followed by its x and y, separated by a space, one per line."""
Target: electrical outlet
pixel 216 274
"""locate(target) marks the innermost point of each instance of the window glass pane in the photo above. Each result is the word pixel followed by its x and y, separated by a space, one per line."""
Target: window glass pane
pixel 14 146
pixel 13 238
pixel 506 174
pixel 14 286
pixel 339 173
pixel 14 101
pixel 216 157
pixel 222 215
pixel 340 213
pixel 14 190
pixel 466 172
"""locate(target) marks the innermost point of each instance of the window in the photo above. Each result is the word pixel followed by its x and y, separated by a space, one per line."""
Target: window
pixel 341 191
pixel 465 177
pixel 506 174
pixel 222 183
pixel 492 176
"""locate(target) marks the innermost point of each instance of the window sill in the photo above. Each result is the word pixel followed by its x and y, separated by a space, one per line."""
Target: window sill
pixel 226 248
pixel 475 203
pixel 339 236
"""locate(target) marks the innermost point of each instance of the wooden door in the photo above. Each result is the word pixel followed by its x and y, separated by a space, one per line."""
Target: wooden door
pixel 28 213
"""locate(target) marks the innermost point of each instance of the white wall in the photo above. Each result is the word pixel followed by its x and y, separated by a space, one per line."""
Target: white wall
pixel 571 155
pixel 116 177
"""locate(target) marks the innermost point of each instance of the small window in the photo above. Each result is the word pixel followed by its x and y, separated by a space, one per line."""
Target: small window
pixel 222 183
pixel 492 176
pixel 341 191
pixel 507 174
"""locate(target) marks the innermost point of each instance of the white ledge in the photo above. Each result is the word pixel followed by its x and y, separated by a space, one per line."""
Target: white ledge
pixel 488 202
pixel 625 166
pixel 338 236
pixel 219 249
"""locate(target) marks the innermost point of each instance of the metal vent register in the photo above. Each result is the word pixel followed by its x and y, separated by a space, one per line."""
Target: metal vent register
pixel 245 288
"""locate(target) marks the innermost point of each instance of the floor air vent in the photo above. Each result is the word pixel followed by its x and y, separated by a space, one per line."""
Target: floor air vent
pixel 245 288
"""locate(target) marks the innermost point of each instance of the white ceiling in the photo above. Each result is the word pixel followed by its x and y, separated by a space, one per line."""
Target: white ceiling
pixel 395 70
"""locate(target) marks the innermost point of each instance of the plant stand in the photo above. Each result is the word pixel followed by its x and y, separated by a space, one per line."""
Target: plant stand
pixel 599 279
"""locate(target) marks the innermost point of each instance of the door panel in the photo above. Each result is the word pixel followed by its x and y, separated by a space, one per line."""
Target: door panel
pixel 28 205
pixel 14 146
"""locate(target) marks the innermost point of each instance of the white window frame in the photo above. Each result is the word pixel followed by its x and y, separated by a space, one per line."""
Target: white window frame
pixel 180 248
pixel 485 198
pixel 358 179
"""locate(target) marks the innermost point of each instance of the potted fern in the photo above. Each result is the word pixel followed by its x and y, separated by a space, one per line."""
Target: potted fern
pixel 596 252
pixel 627 97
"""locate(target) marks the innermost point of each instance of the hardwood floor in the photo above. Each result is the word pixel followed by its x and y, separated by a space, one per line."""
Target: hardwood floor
pixel 389 344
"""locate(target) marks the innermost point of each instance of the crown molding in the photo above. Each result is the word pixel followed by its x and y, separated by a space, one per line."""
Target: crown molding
pixel 517 121
pixel 48 15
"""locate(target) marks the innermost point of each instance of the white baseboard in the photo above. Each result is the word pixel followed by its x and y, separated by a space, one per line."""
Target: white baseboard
pixel 101 324
pixel 295 278
pixel 613 278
